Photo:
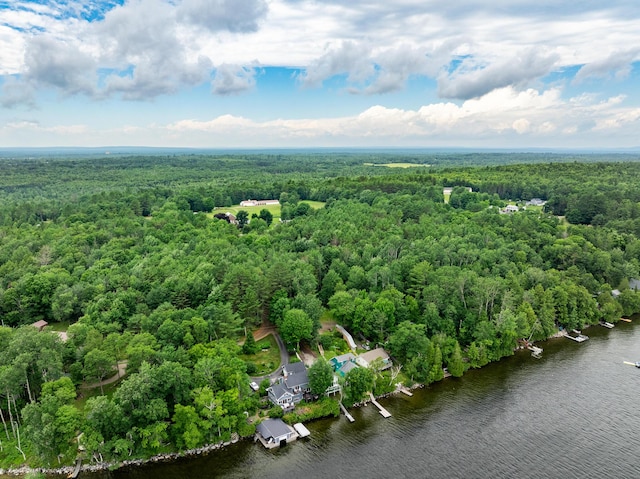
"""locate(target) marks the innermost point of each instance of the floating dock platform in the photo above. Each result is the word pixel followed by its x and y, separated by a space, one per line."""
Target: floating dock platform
pixel 301 429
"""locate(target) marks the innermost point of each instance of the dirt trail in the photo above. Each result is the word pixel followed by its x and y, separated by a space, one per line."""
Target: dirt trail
pixel 264 330
pixel 122 367
pixel 327 326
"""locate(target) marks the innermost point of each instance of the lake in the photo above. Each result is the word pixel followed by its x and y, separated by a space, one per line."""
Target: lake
pixel 571 414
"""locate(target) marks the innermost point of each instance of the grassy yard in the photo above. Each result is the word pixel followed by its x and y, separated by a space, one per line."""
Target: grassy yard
pixel 273 209
pixel 58 327
pixel 398 165
pixel 316 205
pixel 85 394
pixel 537 209
pixel 333 344
pixel 267 359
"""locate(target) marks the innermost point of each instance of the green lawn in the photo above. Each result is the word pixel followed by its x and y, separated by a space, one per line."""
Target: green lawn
pixel 316 205
pixel 333 344
pixel 398 165
pixel 266 360
pixel 84 394
pixel 538 209
pixel 273 209
pixel 63 326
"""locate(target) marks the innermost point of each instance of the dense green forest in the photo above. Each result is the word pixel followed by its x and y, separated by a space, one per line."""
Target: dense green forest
pixel 124 254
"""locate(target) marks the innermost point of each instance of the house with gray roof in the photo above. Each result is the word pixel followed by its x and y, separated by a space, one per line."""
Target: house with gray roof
pixel 634 285
pixel 343 364
pixel 346 367
pixel 280 395
pixel 294 368
pixel 338 361
pixel 289 390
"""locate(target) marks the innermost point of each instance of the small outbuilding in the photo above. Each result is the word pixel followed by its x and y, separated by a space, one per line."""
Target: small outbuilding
pixel 274 432
pixel 40 325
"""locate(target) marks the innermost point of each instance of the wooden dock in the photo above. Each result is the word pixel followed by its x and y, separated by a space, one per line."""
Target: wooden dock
pixel 626 320
pixel 346 413
pixel 382 410
pixel 404 390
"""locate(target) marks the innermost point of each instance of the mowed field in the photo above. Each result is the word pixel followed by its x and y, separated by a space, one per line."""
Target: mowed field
pixel 273 209
pixel 397 165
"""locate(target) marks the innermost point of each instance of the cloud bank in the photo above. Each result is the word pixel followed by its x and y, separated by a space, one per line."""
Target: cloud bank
pixel 362 54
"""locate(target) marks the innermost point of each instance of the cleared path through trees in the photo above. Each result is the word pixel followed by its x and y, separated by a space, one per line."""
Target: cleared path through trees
pixel 122 368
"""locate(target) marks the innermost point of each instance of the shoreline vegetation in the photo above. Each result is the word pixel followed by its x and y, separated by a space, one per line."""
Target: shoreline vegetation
pixel 166 457
pixel 200 451
pixel 143 263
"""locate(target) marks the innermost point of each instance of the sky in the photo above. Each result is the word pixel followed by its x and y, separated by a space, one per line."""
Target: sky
pixel 334 73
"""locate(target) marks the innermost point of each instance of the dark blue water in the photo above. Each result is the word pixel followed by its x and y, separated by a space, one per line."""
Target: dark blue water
pixel 572 414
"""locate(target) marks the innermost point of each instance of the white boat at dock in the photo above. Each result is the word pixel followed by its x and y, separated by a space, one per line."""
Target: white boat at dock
pixel 579 338
pixel 536 352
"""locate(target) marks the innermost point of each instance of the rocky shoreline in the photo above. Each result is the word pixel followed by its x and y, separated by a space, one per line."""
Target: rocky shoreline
pixel 103 466
pixel 168 457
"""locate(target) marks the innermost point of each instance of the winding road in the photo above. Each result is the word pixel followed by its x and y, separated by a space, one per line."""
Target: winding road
pixel 284 359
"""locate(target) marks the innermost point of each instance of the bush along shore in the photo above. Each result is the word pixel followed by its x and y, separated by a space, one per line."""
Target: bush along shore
pixel 320 412
pixel 108 465
pixel 166 457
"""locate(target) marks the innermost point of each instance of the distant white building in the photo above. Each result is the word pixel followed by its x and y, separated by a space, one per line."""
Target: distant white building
pixel 259 202
pixel 447 190
pixel 510 209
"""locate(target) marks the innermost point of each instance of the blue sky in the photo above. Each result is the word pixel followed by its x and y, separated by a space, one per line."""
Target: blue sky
pixel 332 73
